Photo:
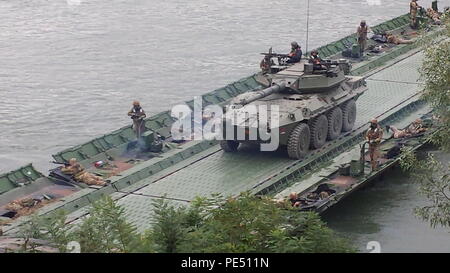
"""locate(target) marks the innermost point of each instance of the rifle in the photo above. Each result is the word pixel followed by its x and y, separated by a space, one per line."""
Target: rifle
pixel 60 163
pixel 137 116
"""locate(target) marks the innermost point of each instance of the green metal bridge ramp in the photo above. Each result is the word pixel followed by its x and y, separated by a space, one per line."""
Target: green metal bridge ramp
pixel 309 182
pixel 161 123
pixel 337 47
pixel 233 173
pixel 221 172
pixel 233 89
pixel 24 175
pixel 405 71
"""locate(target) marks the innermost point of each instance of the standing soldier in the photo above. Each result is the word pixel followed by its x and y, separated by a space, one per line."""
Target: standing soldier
pixel 316 60
pixel 137 114
pixel 413 7
pixel 373 137
pixel 296 53
pixel 266 64
pixel 362 31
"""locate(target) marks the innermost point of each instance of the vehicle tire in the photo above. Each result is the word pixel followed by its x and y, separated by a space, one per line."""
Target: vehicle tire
pixel 229 146
pixel 298 142
pixel 348 115
pixel 334 123
pixel 319 131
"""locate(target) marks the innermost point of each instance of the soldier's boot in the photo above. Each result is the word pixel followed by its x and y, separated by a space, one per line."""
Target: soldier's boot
pixel 374 164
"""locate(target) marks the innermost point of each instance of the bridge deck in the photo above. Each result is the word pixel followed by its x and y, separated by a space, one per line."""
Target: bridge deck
pixel 213 171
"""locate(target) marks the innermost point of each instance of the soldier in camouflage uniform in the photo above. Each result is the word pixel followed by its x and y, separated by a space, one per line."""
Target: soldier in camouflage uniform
pixel 413 129
pixel 373 137
pixel 79 174
pixel 296 53
pixel 137 114
pixel 266 64
pixel 391 38
pixel 434 15
pixel 361 32
pixel 413 8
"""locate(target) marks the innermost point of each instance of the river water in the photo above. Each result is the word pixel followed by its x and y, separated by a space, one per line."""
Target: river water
pixel 383 212
pixel 71 68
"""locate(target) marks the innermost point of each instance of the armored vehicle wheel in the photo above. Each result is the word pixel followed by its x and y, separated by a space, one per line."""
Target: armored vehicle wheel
pixel 334 123
pixel 298 142
pixel 348 115
pixel 229 145
pixel 319 131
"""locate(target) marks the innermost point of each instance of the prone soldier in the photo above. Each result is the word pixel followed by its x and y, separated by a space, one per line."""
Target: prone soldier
pixel 391 38
pixel 415 128
pixel 79 174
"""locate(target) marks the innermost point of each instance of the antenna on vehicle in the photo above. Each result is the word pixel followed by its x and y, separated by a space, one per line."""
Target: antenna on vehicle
pixel 307 27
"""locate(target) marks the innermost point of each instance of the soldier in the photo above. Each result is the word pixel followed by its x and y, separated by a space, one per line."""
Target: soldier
pixel 373 137
pixel 137 114
pixel 391 38
pixel 362 31
pixel 295 200
pixel 79 174
pixel 296 53
pixel 266 64
pixel 416 127
pixel 316 60
pixel 413 129
pixel 413 7
pixel 434 15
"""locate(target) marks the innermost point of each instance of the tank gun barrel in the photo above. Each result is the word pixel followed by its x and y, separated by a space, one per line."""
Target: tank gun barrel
pixel 256 95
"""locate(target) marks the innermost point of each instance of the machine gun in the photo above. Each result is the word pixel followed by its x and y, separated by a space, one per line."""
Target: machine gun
pixel 282 58
pixel 275 55
pixel 342 63
pixel 60 163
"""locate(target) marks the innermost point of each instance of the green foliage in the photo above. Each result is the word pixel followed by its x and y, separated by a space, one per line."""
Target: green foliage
pixel 435 73
pixel 106 229
pixel 56 230
pixel 247 224
pixel 169 227
pixel 244 224
pixel 433 177
pixel 51 228
pixel 31 230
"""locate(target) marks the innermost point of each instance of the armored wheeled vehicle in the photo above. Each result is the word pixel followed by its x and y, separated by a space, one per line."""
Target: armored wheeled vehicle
pixel 316 103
